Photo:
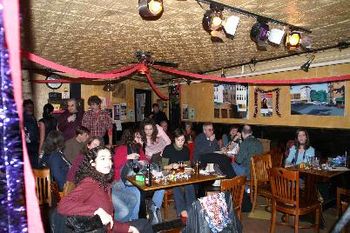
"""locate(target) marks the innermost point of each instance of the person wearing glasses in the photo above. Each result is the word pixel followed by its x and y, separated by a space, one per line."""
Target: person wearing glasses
pixel 205 142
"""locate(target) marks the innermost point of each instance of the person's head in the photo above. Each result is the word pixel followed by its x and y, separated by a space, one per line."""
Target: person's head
pixel 53 142
pixel 138 137
pixel 28 107
pixel 72 105
pixel 164 125
pixel 188 127
pixel 128 137
pixel 302 138
pixel 208 129
pixel 233 131
pixel 155 108
pixel 47 110
pixel 91 143
pixel 82 133
pixel 179 136
pixel 149 130
pixel 246 131
pixel 94 102
pixel 97 164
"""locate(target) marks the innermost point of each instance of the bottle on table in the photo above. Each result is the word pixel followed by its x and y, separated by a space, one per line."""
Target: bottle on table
pixel 148 177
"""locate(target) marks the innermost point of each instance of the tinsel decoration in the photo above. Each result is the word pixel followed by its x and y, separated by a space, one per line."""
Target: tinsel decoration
pixel 12 200
pixel 260 91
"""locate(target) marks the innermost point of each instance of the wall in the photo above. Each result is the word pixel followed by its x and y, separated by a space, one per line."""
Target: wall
pixel 200 97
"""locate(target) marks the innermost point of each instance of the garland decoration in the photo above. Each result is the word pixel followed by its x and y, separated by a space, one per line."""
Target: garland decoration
pixel 13 212
pixel 261 91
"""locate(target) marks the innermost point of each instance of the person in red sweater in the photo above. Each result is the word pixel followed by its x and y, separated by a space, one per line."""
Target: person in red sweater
pixel 126 197
pixel 92 196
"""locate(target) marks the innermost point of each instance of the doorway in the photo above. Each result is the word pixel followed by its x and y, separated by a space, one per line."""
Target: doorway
pixel 142 103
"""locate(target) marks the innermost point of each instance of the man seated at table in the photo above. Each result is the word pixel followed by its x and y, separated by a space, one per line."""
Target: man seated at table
pixel 301 151
pixel 250 147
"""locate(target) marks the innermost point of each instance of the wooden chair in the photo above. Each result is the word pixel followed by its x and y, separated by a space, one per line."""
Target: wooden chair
pixel 236 186
pixel 168 197
pixel 259 178
pixel 286 198
pixel 43 186
pixel 277 156
pixel 341 203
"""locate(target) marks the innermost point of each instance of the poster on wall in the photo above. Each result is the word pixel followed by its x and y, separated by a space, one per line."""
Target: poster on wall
pixel 325 99
pixel 266 109
pixel 119 112
pixel 230 101
pixel 185 112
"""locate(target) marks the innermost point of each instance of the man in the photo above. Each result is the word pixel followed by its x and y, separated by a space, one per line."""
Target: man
pixel 70 120
pixel 205 142
pixel 98 121
pixel 164 125
pixel 73 146
pixel 31 132
pixel 248 148
pixel 157 115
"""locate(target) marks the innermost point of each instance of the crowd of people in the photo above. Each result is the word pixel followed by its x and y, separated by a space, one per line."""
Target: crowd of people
pixel 92 174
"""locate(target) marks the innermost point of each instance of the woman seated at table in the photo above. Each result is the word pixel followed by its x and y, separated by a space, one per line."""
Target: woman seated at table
pixel 176 152
pixel 301 152
pixel 125 196
pixel 92 195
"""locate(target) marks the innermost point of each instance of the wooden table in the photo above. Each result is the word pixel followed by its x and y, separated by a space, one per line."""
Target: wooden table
pixel 321 173
pixel 156 186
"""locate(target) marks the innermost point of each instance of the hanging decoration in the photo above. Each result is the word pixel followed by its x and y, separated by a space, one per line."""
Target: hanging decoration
pixel 13 212
pixel 261 91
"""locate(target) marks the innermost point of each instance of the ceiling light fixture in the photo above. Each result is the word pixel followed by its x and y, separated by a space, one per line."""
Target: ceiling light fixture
pixel 259 34
pixel 109 87
pixel 212 22
pixel 276 36
pixel 305 67
pixel 293 40
pixel 151 9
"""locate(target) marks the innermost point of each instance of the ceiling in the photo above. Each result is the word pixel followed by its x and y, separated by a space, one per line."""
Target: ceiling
pixel 103 35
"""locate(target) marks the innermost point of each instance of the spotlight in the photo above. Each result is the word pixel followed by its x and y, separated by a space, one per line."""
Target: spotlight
pixel 305 67
pixel 231 24
pixel 293 40
pixel 259 34
pixel 109 87
pixel 150 9
pixel 276 36
pixel 212 22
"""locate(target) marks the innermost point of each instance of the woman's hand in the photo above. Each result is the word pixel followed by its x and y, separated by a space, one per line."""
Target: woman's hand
pixel 133 229
pixel 133 156
pixel 104 216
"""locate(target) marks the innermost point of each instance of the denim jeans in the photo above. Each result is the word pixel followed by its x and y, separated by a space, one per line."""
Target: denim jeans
pixel 158 198
pixel 240 170
pixel 126 201
pixel 183 197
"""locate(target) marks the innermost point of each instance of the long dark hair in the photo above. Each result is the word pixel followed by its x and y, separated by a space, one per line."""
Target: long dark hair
pixel 47 111
pixel 87 170
pixel 85 148
pixel 155 130
pixel 53 142
pixel 296 141
pixel 128 137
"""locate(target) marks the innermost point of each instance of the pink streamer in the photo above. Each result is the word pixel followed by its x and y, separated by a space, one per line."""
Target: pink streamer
pixel 12 33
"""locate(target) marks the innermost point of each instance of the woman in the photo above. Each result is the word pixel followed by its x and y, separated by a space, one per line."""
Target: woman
pixel 155 141
pixel 92 195
pixel 54 158
pixel 125 197
pixel 232 142
pixel 301 152
pixel 46 125
pixel 175 153
pixel 91 143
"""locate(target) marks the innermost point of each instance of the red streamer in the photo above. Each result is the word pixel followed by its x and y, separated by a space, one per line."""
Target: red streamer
pixel 154 87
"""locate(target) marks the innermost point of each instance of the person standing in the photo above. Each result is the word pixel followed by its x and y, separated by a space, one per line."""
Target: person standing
pixel 98 121
pixel 70 119
pixel 31 132
pixel 157 115
pixel 46 124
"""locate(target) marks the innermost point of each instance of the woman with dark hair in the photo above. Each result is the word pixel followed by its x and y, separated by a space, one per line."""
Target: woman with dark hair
pixel 54 158
pixel 92 195
pixel 46 124
pixel 155 141
pixel 301 152
pixel 125 196
pixel 176 152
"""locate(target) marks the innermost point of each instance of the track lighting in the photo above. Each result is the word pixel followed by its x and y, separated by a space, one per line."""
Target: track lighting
pixel 259 34
pixel 150 9
pixel 293 40
pixel 276 36
pixel 305 67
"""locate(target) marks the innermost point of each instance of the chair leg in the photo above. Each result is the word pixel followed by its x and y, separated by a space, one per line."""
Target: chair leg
pixel 296 223
pixel 255 194
pixel 273 217
pixel 317 220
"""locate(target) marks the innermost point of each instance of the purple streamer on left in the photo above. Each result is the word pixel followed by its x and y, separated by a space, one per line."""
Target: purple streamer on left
pixel 12 200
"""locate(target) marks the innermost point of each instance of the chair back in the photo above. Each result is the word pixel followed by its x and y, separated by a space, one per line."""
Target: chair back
pixel 236 186
pixel 260 164
pixel 277 157
pixel 43 185
pixel 285 186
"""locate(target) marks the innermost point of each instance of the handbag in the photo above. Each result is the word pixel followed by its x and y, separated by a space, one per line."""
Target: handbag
pixel 86 224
